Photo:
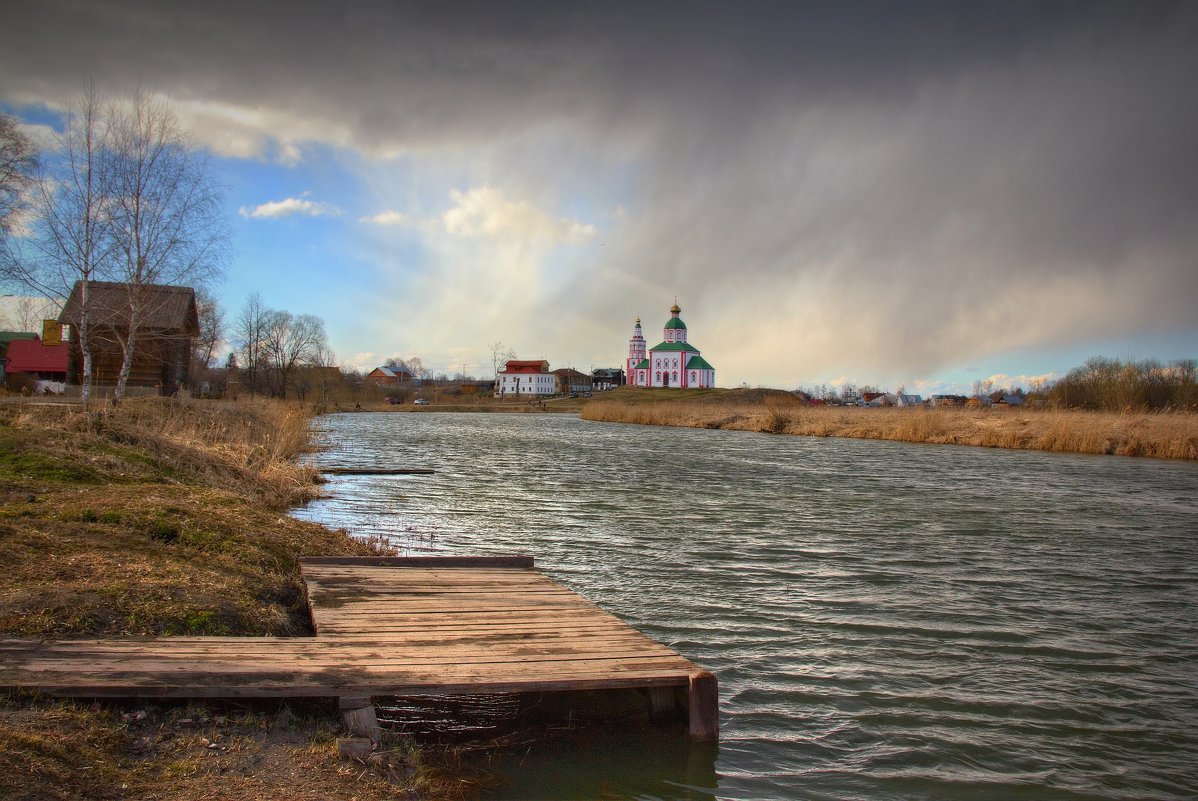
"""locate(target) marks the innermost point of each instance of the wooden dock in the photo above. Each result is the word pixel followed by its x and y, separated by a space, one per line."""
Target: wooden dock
pixel 389 626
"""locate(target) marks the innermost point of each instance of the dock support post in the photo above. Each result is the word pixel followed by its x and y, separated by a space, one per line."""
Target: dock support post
pixel 704 702
pixel 360 719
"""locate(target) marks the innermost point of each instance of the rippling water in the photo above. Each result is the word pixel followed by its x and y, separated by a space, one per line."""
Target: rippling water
pixel 888 621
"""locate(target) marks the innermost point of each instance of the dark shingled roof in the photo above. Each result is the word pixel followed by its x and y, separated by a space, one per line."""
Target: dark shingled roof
pixel 166 309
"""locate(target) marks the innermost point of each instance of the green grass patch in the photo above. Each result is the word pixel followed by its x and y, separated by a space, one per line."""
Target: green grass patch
pixel 21 466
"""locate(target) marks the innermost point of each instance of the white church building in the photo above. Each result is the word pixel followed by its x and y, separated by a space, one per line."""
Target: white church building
pixel 673 362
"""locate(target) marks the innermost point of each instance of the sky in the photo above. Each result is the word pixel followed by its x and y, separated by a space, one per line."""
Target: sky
pixel 897 194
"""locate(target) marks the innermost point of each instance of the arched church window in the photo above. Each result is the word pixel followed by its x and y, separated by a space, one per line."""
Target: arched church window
pixel 692 375
pixel 675 375
pixel 658 375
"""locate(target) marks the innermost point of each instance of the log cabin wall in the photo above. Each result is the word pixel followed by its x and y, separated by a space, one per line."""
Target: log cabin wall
pixel 159 360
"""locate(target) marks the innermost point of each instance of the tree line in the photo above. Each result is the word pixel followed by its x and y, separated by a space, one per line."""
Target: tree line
pixel 119 194
pixel 277 353
pixel 1104 384
pixel 1101 384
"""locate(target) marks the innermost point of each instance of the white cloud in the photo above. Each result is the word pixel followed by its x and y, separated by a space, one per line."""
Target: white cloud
pixel 388 218
pixel 365 360
pixel 485 212
pixel 1004 381
pixel 288 207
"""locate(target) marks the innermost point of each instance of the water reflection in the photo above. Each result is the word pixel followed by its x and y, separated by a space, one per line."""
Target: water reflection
pixel 603 762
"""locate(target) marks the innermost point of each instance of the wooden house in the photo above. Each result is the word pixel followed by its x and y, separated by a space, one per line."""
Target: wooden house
pixel 168 323
pixel 388 376
pixel 571 380
pixel 607 378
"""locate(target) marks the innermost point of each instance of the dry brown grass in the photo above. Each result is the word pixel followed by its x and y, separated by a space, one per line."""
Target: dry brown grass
pixel 152 518
pixel 244 752
pixel 155 517
pixel 1172 435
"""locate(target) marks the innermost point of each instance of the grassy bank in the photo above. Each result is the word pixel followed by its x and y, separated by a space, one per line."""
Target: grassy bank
pixel 160 518
pixel 1167 435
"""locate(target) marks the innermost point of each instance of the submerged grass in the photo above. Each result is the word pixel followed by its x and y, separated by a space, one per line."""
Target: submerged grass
pixel 1172 435
pixel 160 517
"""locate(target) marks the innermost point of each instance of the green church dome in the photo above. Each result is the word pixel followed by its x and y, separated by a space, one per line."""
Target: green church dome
pixel 675 323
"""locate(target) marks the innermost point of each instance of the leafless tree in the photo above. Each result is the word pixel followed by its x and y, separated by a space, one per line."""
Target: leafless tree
pixel 211 335
pixel 291 341
pixel 500 353
pixel 249 335
pixel 18 162
pixel 166 218
pixel 72 242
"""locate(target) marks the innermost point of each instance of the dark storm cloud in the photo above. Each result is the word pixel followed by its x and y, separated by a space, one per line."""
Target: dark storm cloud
pixel 942 169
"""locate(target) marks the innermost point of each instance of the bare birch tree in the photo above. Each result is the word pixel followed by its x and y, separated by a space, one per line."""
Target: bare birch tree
pixel 166 217
pixel 72 242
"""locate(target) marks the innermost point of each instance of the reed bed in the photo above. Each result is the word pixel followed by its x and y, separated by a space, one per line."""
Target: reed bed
pixel 1172 435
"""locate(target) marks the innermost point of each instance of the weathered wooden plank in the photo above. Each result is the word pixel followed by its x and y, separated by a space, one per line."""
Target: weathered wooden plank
pixel 293 688
pixel 490 649
pixel 419 561
pixel 78 662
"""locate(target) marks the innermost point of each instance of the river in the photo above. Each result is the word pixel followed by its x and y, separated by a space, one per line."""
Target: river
pixel 887 620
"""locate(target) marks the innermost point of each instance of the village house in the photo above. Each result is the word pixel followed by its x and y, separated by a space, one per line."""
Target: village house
pixel 167 324
pixel 7 337
pixel 571 380
pixel 607 378
pixel 948 400
pixel 388 376
pixel 45 366
pixel 525 378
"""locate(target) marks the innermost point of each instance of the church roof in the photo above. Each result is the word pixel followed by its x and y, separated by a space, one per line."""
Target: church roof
pixel 685 347
pixel 675 322
pixel 697 362
pixel 643 364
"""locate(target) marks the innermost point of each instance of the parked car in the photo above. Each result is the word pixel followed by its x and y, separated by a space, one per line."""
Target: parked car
pixel 422 401
pixel 390 400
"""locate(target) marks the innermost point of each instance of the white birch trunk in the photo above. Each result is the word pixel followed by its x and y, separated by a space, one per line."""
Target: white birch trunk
pixel 85 345
pixel 118 394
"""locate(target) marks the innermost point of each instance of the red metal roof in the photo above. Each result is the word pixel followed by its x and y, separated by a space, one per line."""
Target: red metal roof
pixel 31 356
pixel 518 366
